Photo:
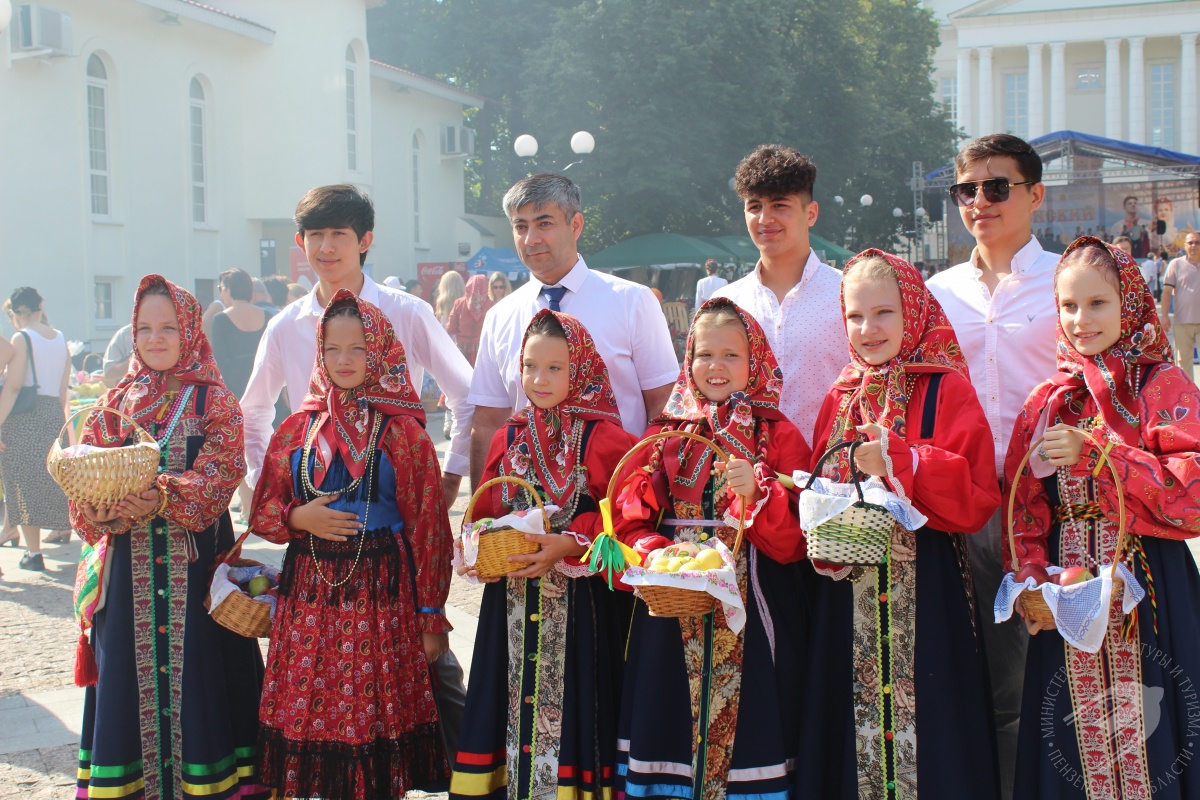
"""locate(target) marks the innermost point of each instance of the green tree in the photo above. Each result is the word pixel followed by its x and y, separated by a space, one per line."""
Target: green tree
pixel 676 93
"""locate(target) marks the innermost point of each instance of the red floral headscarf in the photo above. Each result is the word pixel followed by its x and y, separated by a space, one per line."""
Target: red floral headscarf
pixel 542 439
pixel 345 420
pixel 879 394
pixel 731 423
pixel 140 393
pixel 1109 376
pixel 477 300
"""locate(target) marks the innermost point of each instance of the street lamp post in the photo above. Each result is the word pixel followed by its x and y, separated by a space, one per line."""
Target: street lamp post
pixel 526 146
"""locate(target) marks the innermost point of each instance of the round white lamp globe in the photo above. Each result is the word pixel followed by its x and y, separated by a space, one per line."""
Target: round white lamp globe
pixel 525 146
pixel 583 143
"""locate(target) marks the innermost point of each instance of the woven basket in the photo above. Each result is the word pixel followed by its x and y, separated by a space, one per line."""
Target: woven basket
pixel 1032 602
pixel 106 475
pixel 239 612
pixel 497 545
pixel 676 601
pixel 860 535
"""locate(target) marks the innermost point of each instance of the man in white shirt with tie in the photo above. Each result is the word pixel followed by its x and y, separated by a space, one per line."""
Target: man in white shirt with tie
pixel 707 286
pixel 793 296
pixel 1001 304
pixel 624 318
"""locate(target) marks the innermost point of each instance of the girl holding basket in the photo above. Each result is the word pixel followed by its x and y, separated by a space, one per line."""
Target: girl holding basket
pixel 173 709
pixel 351 485
pixel 540 719
pixel 1118 722
pixel 707 710
pixel 896 703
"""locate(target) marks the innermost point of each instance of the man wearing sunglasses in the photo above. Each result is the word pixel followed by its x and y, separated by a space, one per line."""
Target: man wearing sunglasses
pixel 1001 304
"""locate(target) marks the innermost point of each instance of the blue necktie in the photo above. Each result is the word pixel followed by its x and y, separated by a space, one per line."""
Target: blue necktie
pixel 555 295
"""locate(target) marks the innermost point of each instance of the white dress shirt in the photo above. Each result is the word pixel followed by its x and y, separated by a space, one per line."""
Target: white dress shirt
pixel 707 286
pixel 1008 337
pixel 625 321
pixel 807 333
pixel 288 350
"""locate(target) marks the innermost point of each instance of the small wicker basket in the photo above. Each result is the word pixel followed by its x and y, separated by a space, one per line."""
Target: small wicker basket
pixel 860 535
pixel 676 601
pixel 106 475
pixel 239 612
pixel 1032 602
pixel 497 545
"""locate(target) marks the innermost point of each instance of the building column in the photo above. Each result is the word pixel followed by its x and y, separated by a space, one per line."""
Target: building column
pixel 963 88
pixel 1137 90
pixel 1187 108
pixel 1112 88
pixel 1037 103
pixel 1058 86
pixel 987 103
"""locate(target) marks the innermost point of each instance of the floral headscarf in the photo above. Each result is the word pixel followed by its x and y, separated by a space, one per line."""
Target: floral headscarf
pixel 543 436
pixel 730 423
pixel 141 392
pixel 879 394
pixel 478 301
pixel 345 419
pixel 1109 376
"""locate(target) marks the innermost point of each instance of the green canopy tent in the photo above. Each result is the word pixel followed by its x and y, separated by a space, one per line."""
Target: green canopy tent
pixel 664 250
pixel 832 252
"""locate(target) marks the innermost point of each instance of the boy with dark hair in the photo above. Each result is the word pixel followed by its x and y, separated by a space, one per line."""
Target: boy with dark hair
pixel 334 225
pixel 1001 304
pixel 792 295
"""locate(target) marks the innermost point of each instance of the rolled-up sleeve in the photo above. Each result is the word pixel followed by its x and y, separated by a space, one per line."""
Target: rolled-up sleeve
pixel 487 384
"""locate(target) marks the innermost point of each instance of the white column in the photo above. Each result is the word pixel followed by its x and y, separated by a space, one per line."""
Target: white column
pixel 1137 90
pixel 1058 86
pixel 1037 103
pixel 1112 88
pixel 1187 108
pixel 987 103
pixel 963 88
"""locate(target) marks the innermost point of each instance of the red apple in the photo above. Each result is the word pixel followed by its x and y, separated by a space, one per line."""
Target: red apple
pixel 1073 575
pixel 1035 571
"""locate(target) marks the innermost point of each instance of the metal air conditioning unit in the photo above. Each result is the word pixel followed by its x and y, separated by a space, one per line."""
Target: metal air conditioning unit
pixel 41 31
pixel 458 141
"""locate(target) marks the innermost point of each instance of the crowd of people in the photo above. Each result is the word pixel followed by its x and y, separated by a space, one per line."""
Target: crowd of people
pixel 830 680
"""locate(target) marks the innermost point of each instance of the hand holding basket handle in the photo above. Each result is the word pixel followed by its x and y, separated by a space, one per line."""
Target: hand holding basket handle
pixel 104 476
pixel 496 546
pixel 1031 604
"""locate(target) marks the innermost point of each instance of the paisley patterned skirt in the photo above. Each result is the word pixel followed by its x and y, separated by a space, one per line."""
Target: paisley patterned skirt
pixel 30 495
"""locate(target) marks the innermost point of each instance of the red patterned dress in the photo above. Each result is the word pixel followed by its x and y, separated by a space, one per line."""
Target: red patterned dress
pixel 1121 722
pixel 348 705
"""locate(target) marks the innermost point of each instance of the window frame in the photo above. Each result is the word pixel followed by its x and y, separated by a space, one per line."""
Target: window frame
pixel 99 86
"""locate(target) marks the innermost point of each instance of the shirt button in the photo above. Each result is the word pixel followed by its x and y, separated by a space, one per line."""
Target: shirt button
pixel 887 688
pixel 704 537
pixel 888 736
pixel 883 598
pixel 158 560
pixel 162 628
pixel 534 617
pixel 163 670
pixel 528 700
pixel 525 748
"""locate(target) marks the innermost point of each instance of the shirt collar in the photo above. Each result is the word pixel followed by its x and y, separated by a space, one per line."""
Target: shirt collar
pixel 810 268
pixel 1026 260
pixel 369 292
pixel 572 281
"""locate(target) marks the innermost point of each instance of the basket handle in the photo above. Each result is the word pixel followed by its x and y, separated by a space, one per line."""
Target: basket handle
pixel 854 473
pixel 137 429
pixel 467 519
pixel 1122 533
pixel 83 364
pixel 614 481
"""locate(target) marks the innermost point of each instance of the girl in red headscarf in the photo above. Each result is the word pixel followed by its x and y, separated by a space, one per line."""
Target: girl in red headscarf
pixel 896 702
pixel 465 324
pixel 708 711
pixel 351 485
pixel 540 719
pixel 1121 720
pixel 172 709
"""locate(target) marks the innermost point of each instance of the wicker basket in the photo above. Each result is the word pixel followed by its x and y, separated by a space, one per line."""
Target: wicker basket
pixel 1032 602
pixel 496 546
pixel 239 612
pixel 106 475
pixel 676 601
pixel 860 535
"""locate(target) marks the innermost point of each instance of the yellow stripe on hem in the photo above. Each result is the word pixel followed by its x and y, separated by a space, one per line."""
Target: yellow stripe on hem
pixel 475 784
pixel 202 789
pixel 116 791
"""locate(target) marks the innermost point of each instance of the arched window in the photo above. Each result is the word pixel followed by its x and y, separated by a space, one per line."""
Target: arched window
pixel 351 110
pixel 196 109
pixel 98 153
pixel 416 186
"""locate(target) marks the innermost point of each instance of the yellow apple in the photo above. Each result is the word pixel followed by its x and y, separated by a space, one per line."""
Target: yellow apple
pixel 709 558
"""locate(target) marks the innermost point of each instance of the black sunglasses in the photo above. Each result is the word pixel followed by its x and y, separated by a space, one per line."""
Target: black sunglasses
pixel 994 189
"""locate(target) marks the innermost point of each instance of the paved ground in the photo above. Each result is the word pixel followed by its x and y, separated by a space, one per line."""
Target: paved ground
pixel 41 708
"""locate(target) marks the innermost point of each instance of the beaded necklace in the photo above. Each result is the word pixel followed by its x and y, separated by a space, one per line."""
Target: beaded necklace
pixel 305 454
